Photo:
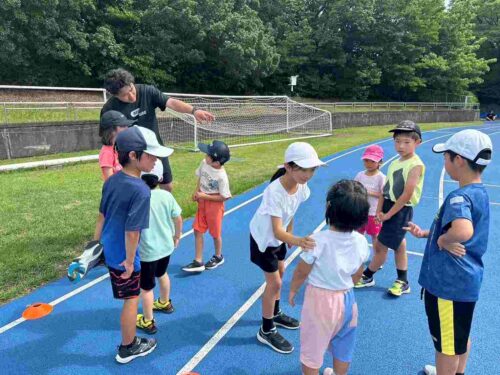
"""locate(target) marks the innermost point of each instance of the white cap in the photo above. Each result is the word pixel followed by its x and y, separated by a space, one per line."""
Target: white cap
pixel 468 144
pixel 156 171
pixel 302 154
pixel 137 138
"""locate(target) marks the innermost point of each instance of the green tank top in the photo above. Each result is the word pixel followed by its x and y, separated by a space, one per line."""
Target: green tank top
pixel 397 177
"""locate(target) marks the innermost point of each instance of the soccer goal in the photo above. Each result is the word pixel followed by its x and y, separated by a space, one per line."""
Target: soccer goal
pixel 243 120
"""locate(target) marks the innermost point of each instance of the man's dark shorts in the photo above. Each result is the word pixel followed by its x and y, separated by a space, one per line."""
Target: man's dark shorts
pixel 167 171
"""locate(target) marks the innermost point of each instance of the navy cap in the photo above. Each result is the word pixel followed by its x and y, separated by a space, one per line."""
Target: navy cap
pixel 110 119
pixel 218 151
pixel 407 126
pixel 138 138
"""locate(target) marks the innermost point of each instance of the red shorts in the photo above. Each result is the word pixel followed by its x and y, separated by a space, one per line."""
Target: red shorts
pixel 372 227
pixel 209 216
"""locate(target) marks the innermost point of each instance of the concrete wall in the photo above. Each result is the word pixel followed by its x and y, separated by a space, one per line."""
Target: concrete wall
pixel 26 140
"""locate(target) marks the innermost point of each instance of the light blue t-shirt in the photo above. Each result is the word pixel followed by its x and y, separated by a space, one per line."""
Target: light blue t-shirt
pixel 443 274
pixel 157 241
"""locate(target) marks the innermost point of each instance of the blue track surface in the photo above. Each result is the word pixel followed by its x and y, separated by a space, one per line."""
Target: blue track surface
pixel 81 334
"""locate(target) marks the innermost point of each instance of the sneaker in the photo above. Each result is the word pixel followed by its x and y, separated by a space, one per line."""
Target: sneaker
pixel 365 282
pixel 194 266
pixel 165 307
pixel 430 370
pixel 328 371
pixel 214 262
pixel 286 321
pixel 141 347
pixel 275 341
pixel 398 288
pixel 148 327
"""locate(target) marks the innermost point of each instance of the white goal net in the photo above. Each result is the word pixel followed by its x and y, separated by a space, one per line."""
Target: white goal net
pixel 243 120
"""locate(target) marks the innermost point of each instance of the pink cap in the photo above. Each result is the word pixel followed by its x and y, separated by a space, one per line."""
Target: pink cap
pixel 374 153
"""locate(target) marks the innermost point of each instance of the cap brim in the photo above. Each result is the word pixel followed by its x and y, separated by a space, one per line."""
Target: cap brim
pixel 370 157
pixel 406 130
pixel 310 163
pixel 439 148
pixel 129 123
pixel 204 148
pixel 159 151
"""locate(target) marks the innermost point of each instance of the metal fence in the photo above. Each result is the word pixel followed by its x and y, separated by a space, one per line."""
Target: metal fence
pixel 63 112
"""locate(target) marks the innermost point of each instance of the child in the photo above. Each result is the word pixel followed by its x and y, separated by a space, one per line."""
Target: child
pixel 271 230
pixel 373 180
pixel 212 190
pixel 156 245
pixel 111 123
pixel 124 212
pixel 330 314
pixel 452 268
pixel 402 192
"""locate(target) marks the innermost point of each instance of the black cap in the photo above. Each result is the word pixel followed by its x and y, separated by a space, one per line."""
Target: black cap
pixel 218 151
pixel 111 119
pixel 407 126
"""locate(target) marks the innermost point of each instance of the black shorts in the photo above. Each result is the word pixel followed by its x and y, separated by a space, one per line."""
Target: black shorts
pixel 392 232
pixel 151 270
pixel 125 288
pixel 449 323
pixel 167 171
pixel 267 260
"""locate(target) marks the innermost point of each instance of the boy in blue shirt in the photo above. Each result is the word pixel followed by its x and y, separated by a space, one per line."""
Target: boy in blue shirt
pixel 123 213
pixel 452 268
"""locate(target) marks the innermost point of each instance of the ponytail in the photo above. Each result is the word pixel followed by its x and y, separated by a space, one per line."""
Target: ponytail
pixel 281 171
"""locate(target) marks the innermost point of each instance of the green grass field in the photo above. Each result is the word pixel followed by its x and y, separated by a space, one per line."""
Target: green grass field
pixel 48 214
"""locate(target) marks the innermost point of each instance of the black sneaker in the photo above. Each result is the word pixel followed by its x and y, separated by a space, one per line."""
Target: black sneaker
pixel 140 348
pixel 275 341
pixel 286 321
pixel 194 266
pixel 214 262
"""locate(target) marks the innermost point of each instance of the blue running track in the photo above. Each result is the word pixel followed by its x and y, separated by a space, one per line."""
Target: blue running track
pixel 81 335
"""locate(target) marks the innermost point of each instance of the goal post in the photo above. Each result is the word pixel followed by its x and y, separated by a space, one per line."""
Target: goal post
pixel 243 120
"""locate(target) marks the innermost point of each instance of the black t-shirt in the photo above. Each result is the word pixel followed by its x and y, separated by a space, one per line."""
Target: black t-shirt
pixel 143 110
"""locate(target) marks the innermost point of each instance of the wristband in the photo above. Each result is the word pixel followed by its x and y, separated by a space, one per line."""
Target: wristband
pixel 194 110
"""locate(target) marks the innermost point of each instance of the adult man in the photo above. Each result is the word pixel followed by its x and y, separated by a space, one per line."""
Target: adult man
pixel 139 102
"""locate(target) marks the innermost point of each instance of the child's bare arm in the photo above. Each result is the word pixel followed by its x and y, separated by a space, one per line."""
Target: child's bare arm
pixel 131 243
pixel 306 243
pixel 357 276
pixel 98 227
pixel 196 190
pixel 299 276
pixel 461 230
pixel 178 229
pixel 410 186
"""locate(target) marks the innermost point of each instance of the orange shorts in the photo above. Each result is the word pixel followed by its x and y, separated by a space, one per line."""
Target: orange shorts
pixel 209 216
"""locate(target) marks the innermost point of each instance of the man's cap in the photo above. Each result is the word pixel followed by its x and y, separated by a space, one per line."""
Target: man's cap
pixel 218 151
pixel 111 119
pixel 374 153
pixel 156 171
pixel 471 144
pixel 303 154
pixel 407 126
pixel 137 138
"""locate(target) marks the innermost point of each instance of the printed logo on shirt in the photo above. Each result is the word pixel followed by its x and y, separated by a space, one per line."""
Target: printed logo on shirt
pixel 135 112
pixel 456 200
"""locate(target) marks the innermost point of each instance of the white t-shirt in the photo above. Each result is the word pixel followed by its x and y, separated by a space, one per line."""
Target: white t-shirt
pixel 373 183
pixel 213 181
pixel 278 203
pixel 336 257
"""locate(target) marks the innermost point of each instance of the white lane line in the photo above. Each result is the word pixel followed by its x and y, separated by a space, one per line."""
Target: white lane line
pixel 441 188
pixel 407 251
pixel 487 185
pixel 198 357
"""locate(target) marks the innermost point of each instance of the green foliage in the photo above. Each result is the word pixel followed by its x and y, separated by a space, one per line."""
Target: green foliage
pixel 342 49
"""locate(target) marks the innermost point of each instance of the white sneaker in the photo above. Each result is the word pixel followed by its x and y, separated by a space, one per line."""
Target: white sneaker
pixel 430 370
pixel 328 371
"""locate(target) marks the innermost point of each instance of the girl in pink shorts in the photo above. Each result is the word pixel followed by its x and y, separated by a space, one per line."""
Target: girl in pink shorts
pixel 373 180
pixel 329 313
